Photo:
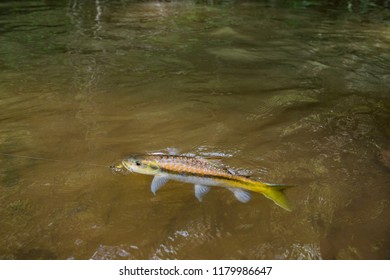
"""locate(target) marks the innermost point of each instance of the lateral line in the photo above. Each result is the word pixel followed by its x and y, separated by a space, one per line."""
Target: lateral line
pixel 209 176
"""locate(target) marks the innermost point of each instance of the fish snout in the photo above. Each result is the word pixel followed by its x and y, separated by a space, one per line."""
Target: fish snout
pixel 118 168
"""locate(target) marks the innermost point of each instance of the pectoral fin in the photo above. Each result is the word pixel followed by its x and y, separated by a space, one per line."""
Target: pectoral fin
pixel 242 195
pixel 158 182
pixel 200 191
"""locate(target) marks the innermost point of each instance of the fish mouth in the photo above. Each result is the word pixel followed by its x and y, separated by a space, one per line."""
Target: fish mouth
pixel 126 166
pixel 119 168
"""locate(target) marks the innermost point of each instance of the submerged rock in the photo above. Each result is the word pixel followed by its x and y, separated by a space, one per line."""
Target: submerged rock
pixel 228 32
pixel 120 252
pixel 384 157
pixel 235 54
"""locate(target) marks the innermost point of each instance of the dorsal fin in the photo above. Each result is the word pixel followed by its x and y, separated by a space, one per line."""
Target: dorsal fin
pixel 213 160
pixel 173 151
pixel 237 173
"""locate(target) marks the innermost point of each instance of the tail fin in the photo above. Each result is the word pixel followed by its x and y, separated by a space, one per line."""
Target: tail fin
pixel 276 194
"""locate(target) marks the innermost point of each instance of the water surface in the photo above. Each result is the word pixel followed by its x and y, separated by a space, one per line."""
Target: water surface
pixel 296 95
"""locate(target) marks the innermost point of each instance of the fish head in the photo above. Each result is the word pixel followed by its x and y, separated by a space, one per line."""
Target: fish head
pixel 141 165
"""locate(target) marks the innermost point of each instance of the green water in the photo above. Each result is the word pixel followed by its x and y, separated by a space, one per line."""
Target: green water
pixel 294 94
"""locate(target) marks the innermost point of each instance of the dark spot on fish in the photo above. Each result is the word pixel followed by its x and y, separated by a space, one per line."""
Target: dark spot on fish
pixel 154 166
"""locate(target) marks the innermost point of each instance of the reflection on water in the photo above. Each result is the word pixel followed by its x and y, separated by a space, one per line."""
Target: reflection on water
pixel 291 95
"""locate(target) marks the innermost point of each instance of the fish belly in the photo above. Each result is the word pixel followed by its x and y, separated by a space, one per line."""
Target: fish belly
pixel 196 180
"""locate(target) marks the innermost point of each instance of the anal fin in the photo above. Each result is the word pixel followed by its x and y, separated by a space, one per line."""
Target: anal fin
pixel 241 195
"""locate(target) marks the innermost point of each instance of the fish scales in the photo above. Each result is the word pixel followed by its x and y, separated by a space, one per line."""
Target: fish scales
pixel 182 164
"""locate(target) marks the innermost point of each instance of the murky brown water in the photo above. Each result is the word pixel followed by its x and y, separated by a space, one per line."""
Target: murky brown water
pixel 295 95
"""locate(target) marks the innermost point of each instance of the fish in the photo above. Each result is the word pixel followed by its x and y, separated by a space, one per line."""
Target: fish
pixel 203 173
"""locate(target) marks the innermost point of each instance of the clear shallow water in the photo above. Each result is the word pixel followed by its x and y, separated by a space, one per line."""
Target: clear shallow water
pixel 292 95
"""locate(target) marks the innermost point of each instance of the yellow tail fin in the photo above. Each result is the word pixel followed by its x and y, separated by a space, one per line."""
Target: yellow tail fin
pixel 276 194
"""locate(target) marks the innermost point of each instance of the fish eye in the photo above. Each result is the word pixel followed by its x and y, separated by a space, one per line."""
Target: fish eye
pixel 137 163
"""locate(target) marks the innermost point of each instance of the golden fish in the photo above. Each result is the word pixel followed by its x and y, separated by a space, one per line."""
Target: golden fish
pixel 203 173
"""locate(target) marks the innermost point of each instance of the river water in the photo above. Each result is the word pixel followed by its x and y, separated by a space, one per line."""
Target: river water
pixel 289 93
